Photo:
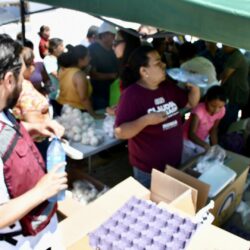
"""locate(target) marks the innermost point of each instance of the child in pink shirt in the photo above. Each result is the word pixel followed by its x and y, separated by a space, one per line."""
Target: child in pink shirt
pixel 200 130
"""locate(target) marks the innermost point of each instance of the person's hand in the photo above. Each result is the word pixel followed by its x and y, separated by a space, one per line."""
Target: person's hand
pixel 111 110
pixel 206 146
pixel 50 128
pixel 52 183
pixel 189 85
pixel 155 118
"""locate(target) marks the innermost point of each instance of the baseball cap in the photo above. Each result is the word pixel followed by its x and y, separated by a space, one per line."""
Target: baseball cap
pixel 106 27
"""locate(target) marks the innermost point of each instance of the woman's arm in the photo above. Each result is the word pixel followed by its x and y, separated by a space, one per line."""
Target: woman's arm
pixel 128 130
pixel 46 128
pixel 81 84
pixel 192 132
pixel 48 186
pixel 193 95
pixel 55 74
pixel 226 74
pixel 214 133
pixel 102 76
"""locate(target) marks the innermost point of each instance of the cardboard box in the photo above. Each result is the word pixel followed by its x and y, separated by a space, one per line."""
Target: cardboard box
pixel 76 227
pixel 85 220
pixel 70 206
pixel 165 188
pixel 210 238
pixel 229 198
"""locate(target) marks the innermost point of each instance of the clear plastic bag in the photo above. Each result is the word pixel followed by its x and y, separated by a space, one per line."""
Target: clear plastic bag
pixel 83 191
pixel 183 75
pixel 244 210
pixel 108 125
pixel 214 156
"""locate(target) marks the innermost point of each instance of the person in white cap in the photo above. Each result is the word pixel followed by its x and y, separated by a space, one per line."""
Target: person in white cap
pixel 104 65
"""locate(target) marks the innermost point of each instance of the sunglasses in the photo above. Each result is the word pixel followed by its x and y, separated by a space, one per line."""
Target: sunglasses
pixel 117 42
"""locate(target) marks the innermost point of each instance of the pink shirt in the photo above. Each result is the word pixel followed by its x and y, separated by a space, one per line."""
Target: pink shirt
pixel 206 121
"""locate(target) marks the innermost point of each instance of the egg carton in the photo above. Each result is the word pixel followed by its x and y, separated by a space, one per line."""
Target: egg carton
pixel 141 225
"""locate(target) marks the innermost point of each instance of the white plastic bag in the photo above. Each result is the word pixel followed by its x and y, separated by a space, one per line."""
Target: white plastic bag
pixel 108 125
pixel 214 156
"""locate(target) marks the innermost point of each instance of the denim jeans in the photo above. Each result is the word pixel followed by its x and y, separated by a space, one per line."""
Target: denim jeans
pixel 143 177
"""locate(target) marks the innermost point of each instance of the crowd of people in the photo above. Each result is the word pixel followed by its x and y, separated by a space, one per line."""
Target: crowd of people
pixel 146 103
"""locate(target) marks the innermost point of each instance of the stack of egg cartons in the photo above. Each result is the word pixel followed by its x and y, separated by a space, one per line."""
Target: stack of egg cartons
pixel 141 225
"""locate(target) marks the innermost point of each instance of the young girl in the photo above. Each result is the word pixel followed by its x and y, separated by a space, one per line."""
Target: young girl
pixel 200 131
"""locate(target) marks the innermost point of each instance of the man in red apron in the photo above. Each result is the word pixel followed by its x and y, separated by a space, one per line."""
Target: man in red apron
pixel 27 219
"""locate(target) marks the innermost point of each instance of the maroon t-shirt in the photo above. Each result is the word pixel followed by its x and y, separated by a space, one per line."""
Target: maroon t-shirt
pixel 156 145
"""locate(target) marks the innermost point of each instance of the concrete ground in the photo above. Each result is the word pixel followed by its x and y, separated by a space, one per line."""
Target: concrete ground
pixel 109 167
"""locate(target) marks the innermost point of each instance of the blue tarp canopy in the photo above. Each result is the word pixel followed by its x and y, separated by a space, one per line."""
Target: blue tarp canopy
pixel 10 10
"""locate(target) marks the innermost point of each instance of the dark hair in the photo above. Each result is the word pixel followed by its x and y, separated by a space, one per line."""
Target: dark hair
pixel 92 31
pixel 80 51
pixel 19 36
pixel 137 59
pixel 187 51
pixel 42 29
pixel 72 56
pixel 28 56
pixel 10 56
pixel 131 43
pixel 214 93
pixel 54 43
pixel 65 60
pixel 157 42
pixel 27 42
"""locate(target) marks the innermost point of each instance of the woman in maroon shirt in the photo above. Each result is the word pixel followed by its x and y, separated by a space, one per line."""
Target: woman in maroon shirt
pixel 148 114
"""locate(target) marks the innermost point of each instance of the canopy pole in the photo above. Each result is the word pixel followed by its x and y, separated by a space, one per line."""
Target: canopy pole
pixel 22 14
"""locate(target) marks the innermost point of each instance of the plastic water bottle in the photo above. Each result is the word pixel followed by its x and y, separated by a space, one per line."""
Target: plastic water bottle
pixel 56 155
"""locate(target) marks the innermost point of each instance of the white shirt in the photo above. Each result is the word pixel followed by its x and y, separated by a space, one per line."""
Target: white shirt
pixel 4 195
pixel 49 237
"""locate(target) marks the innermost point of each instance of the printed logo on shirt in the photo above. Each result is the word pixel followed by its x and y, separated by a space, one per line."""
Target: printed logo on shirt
pixel 169 125
pixel 159 101
pixel 169 108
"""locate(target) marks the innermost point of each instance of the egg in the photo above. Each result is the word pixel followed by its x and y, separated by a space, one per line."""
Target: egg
pixel 76 129
pixel 93 141
pixel 77 137
pixel 67 109
pixel 85 140
pixel 70 134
